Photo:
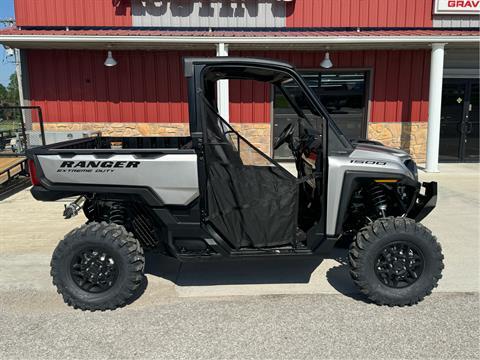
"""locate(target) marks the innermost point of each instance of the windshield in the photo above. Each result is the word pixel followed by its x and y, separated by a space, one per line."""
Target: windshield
pixel 308 115
pixel 296 94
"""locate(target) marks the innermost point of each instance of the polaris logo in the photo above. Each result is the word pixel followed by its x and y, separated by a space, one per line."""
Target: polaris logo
pixel 99 164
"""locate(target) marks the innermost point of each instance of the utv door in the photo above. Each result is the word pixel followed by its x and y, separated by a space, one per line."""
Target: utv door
pixel 245 196
pixel 250 200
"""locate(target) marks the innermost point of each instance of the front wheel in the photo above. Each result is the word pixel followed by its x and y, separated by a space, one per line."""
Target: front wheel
pixel 98 266
pixel 395 261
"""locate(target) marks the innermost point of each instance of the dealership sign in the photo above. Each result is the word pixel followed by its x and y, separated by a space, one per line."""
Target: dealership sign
pixel 457 7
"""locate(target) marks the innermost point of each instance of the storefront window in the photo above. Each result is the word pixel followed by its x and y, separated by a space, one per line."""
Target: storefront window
pixel 343 94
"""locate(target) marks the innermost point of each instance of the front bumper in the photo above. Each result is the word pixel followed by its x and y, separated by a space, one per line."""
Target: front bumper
pixel 425 203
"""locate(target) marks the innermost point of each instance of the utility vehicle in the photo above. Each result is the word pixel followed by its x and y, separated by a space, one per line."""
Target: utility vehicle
pixel 215 195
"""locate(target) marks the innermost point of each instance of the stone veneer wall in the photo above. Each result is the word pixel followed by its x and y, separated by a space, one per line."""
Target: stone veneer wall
pixel 122 129
pixel 257 133
pixel 409 136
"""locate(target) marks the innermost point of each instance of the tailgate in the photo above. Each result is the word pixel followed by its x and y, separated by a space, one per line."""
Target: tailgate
pixel 171 176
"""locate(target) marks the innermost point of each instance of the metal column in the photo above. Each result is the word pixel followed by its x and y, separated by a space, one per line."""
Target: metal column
pixel 223 97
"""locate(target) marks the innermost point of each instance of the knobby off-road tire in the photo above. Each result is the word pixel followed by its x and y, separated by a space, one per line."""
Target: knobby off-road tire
pixel 389 245
pixel 106 253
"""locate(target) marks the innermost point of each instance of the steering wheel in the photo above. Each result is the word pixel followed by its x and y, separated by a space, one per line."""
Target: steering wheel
pixel 284 136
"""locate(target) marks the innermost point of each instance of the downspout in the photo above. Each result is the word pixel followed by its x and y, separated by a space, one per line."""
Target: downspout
pixel 18 70
pixel 23 96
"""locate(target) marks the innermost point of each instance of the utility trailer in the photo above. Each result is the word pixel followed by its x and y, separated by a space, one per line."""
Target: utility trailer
pixel 215 195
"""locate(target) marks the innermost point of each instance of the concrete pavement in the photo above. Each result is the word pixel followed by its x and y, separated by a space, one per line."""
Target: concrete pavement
pixel 30 231
pixel 242 309
pixel 456 222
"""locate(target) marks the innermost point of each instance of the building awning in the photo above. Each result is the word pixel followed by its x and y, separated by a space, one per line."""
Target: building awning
pixel 125 38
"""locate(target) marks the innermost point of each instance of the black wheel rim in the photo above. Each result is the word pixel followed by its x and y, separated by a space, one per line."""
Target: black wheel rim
pixel 399 264
pixel 93 269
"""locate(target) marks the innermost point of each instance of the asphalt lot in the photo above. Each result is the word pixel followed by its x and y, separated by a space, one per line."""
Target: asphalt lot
pixel 445 326
pixel 255 309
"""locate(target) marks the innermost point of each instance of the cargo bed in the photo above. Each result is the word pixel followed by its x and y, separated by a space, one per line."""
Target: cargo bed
pixel 161 170
pixel 117 144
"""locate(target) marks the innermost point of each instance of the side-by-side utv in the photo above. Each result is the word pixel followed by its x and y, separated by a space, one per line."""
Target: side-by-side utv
pixel 214 195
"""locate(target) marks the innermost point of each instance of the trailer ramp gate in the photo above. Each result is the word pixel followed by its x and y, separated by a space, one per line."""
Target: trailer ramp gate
pixel 21 128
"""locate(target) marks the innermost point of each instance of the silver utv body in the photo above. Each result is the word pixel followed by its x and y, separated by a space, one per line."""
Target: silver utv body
pixel 364 158
pixel 174 177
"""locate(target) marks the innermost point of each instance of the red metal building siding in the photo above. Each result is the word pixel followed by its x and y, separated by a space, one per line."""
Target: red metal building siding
pixel 300 13
pixel 399 91
pixel 249 102
pixel 75 86
pixel 73 13
pixel 148 86
pixel 359 13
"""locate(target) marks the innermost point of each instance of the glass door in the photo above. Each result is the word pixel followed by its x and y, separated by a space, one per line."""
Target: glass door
pixel 459 128
pixel 471 149
pixel 453 104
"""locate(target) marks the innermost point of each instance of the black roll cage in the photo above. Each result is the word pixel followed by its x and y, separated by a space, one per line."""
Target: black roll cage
pixel 197 69
pixel 202 73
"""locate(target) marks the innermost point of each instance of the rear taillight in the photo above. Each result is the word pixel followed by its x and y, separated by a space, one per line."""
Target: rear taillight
pixel 33 173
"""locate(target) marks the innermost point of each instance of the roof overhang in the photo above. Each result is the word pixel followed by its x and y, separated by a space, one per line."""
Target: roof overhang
pixel 246 39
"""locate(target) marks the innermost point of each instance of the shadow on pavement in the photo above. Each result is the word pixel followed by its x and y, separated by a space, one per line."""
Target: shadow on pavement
pixel 339 277
pixel 281 270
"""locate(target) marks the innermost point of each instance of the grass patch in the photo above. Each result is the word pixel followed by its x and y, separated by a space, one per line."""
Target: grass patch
pixel 10 125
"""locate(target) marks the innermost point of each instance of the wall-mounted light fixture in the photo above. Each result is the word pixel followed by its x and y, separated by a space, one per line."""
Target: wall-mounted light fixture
pixel 326 62
pixel 110 61
pixel 9 51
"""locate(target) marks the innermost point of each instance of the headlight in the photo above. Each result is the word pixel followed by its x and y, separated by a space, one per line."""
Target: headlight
pixel 412 166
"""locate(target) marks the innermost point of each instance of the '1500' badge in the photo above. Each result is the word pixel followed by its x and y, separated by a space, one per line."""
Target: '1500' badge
pixel 368 162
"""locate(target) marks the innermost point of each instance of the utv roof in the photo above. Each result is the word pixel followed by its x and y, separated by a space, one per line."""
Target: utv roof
pixel 189 62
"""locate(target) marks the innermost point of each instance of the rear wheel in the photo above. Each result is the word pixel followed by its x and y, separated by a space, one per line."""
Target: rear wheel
pixel 98 266
pixel 395 261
